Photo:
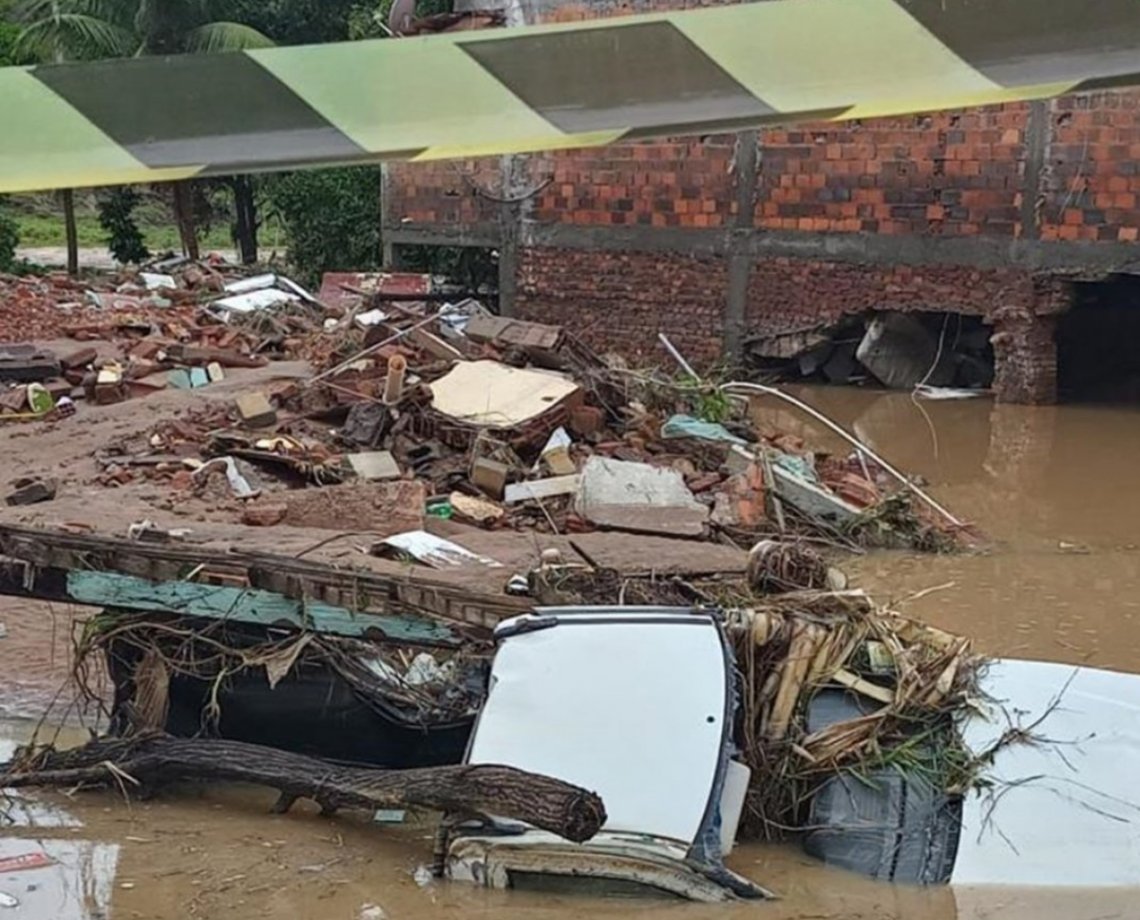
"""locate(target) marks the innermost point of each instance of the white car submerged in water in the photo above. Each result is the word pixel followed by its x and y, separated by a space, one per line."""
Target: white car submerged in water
pixel 639 705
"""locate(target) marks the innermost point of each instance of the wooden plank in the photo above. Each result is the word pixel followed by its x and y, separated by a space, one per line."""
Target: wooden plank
pixel 411 592
pixel 247 605
pixel 863 687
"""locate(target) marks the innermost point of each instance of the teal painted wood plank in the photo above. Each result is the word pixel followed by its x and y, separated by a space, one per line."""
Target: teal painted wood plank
pixel 246 605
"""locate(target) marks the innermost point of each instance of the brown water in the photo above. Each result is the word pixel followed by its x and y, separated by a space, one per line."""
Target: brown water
pixel 1055 487
pixel 1052 486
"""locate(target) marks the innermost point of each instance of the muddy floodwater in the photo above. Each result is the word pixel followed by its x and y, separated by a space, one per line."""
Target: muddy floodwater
pixel 1054 487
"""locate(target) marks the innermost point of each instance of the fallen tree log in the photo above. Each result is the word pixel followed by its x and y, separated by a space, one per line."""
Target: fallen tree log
pixel 469 789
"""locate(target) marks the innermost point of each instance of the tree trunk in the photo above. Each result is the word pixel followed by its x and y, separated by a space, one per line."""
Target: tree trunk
pixel 475 789
pixel 184 218
pixel 245 210
pixel 67 197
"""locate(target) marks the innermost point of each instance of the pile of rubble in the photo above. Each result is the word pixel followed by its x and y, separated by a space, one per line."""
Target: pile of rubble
pixel 176 323
pixel 420 409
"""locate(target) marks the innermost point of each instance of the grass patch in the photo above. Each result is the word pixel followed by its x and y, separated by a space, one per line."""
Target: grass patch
pixel 41 230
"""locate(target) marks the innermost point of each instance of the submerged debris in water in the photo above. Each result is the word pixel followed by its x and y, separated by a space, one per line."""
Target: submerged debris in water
pixel 791 646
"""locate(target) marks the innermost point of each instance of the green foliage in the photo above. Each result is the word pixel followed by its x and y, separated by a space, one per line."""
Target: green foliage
pixel 9 239
pixel 331 218
pixel 9 35
pixel 116 216
pixel 296 22
pixel 88 29
pixel 713 405
pixel 369 20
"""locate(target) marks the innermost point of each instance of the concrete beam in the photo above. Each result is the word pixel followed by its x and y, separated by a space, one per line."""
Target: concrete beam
pixel 488 235
pixel 1095 259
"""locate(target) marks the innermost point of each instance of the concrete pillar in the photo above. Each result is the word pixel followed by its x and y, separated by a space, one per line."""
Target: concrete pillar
pixel 739 254
pixel 387 251
pixel 1036 151
pixel 508 258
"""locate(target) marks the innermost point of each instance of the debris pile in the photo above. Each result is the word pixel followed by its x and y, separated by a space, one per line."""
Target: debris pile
pixel 833 682
pixel 174 324
pixel 938 356
pixel 483 466
pixel 420 411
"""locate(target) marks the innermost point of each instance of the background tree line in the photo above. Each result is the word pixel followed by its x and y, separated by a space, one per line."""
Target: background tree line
pixel 330 218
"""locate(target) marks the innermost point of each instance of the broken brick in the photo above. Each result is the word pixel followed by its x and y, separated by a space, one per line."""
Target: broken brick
pixel 264 515
pixel 79 358
pixel 585 420
pixel 702 482
pixel 31 491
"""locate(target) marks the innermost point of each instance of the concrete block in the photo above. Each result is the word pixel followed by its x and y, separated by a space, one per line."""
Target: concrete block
pixel 375 465
pixel 490 476
pixel 255 410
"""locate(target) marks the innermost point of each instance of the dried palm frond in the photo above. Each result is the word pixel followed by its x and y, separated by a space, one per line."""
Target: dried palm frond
pixel 912 680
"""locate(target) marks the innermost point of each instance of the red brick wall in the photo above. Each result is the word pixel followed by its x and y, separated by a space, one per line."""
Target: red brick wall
pixel 443 192
pixel 619 301
pixel 788 294
pixel 946 174
pixel 1091 180
pixel 604 9
pixel 682 183
pixel 949 174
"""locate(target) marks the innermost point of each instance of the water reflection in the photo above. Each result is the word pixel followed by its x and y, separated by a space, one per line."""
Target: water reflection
pixel 18 809
pixel 76 886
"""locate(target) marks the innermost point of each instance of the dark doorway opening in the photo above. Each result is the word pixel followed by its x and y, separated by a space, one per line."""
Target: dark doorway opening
pixel 1098 342
pixel 465 271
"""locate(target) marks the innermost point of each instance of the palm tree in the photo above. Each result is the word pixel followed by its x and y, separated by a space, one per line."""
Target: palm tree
pixel 83 30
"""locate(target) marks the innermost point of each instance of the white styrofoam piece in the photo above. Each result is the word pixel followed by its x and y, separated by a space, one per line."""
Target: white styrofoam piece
pixel 370 318
pixel 436 551
pixel 254 300
pixel 541 488
pixel 1065 808
pixel 631 710
pixel 158 282
pixel 252 283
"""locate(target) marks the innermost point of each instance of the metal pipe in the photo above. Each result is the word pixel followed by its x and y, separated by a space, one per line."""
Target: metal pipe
pixel 685 366
pixel 739 385
pixel 371 349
